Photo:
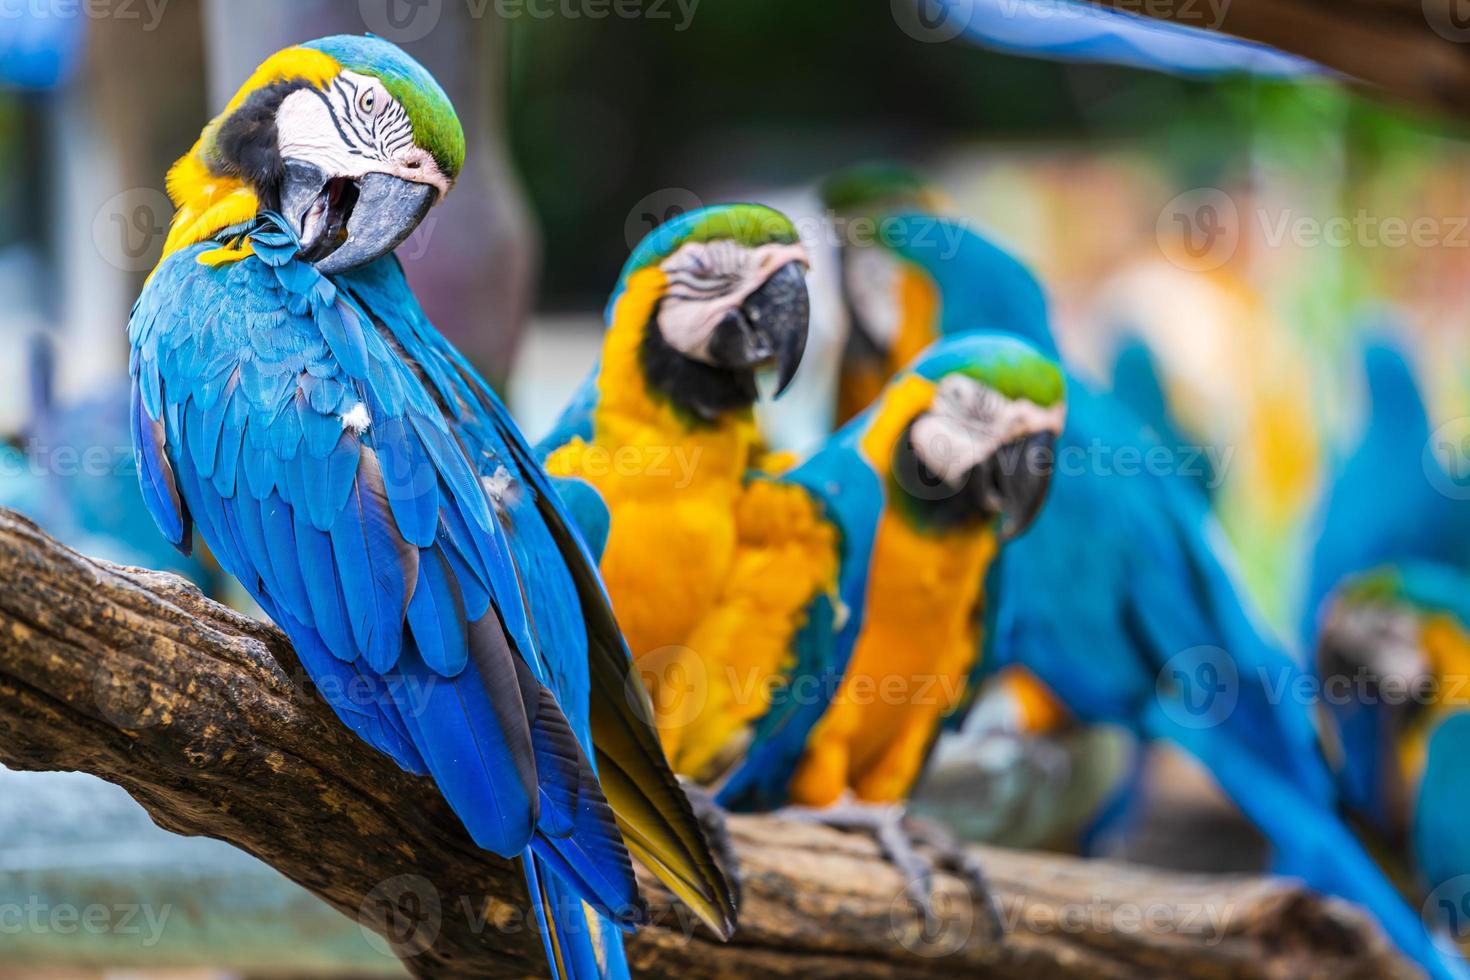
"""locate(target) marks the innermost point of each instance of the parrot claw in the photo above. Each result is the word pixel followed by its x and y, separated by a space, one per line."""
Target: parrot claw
pixel 713 821
pixel 899 838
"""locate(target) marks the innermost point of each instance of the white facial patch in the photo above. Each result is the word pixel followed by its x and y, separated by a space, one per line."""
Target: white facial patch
pixel 871 277
pixel 707 280
pixel 354 128
pixel 1382 639
pixel 967 422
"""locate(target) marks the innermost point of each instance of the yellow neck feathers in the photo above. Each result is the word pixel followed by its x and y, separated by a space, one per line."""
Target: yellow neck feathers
pixel 209 202
pixel 917 298
pixel 902 403
pixel 625 400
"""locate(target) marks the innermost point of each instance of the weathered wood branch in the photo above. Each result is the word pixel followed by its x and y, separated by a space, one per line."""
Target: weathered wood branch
pixel 1415 50
pixel 205 717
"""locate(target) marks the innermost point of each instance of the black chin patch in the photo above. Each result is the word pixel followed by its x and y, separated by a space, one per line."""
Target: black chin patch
pixel 247 144
pixel 926 498
pixel 706 393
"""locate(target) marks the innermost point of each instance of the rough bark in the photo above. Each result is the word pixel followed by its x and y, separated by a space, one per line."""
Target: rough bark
pixel 205 717
pixel 1415 50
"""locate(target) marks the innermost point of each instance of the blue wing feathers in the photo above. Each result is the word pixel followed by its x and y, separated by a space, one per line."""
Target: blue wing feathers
pixel 437 617
pixel 376 548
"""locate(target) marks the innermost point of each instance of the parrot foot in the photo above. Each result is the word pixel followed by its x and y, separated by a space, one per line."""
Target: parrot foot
pixel 712 820
pixel 899 838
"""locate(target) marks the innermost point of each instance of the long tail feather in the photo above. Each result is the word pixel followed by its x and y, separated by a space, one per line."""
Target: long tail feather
pixel 580 944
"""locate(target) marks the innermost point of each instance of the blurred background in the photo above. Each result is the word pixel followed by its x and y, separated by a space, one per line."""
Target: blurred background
pixel 1241 230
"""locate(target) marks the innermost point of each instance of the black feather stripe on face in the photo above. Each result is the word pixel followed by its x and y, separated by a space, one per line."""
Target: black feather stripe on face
pixel 700 391
pixel 247 146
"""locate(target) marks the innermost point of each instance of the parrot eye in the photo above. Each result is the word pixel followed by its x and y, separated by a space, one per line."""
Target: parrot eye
pixel 367 102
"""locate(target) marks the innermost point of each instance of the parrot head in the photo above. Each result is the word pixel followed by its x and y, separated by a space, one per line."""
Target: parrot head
pixel 347 137
pixel 910 279
pixel 1392 644
pixel 980 431
pixel 720 295
pixel 873 190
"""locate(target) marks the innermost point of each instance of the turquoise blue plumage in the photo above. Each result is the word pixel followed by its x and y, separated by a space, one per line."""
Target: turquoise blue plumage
pixel 74 476
pixel 1389 499
pixel 1138 384
pixel 1122 600
pixel 387 516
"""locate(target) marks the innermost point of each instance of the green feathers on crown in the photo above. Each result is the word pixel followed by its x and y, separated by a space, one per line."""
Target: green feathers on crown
pixel 1034 379
pixel 1005 364
pixel 436 126
pixel 866 186
pixel 752 225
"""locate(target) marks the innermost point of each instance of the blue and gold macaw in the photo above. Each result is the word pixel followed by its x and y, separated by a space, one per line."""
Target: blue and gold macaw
pixel 1394 656
pixel 848 627
pixel 1386 502
pixel 348 466
pixel 1122 600
pixel 653 450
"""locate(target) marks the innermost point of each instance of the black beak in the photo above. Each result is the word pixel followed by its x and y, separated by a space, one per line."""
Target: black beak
pixel 1014 482
pixel 770 327
pixel 345 223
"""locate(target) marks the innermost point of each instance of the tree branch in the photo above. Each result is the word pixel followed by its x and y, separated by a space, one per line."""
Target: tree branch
pixel 205 717
pixel 1415 50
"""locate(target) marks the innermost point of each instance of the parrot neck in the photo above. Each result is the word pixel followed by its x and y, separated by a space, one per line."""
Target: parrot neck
pixel 210 193
pixel 627 389
pixel 886 447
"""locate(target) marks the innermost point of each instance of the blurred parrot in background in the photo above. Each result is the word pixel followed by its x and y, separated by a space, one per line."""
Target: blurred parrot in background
pixel 653 450
pixel 894 310
pixel 1394 461
pixel 74 476
pixel 1388 616
pixel 1123 602
pixel 849 626
pixel 1395 662
pixel 795 425
pixel 349 467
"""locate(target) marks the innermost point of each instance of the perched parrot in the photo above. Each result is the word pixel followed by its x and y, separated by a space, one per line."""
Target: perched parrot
pixel 1395 662
pixel 1386 502
pixel 849 626
pixel 653 450
pixel 348 466
pixel 1123 602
